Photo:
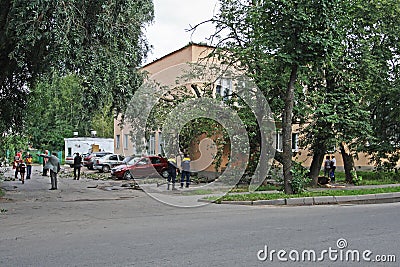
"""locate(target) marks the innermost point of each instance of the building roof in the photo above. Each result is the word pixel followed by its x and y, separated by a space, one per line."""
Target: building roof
pixel 178 50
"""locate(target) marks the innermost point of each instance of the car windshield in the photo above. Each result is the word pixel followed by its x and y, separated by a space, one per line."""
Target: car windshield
pixel 143 161
pixel 132 160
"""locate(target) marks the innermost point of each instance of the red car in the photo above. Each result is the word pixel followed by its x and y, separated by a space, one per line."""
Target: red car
pixel 144 167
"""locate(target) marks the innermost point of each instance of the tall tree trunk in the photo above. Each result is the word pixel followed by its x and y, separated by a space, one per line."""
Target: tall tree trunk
pixel 287 131
pixel 316 163
pixel 348 163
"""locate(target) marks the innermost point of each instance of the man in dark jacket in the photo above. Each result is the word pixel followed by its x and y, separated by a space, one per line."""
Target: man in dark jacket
pixel 171 172
pixel 77 166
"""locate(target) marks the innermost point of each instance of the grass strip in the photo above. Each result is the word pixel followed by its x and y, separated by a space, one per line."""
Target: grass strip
pixel 328 192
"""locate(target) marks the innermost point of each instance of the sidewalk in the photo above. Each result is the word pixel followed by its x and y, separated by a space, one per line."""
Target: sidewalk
pixel 36 189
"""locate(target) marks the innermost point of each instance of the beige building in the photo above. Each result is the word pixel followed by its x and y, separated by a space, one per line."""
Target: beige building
pixel 188 54
pixel 154 145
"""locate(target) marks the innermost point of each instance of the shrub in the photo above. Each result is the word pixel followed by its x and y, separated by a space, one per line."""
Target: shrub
pixel 357 179
pixel 300 178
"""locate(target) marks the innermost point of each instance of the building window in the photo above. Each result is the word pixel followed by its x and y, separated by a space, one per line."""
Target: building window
pixel 218 90
pixel 160 144
pixel 331 150
pixel 117 141
pixel 126 141
pixel 223 88
pixel 279 142
pixel 278 139
pixel 152 145
pixel 295 141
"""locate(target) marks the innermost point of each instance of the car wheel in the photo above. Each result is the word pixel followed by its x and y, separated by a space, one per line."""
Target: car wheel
pixel 127 175
pixel 71 165
pixel 105 168
pixel 164 174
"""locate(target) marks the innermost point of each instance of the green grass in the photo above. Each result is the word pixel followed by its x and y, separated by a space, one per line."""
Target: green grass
pixel 371 177
pixel 328 192
pixel 198 192
pixel 261 188
pixel 1 193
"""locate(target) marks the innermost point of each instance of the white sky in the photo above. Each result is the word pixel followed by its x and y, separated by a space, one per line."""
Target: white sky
pixel 172 18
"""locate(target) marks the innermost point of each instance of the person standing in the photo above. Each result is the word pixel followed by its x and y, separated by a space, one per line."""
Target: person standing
pixel 327 166
pixel 19 154
pixel 45 159
pixel 77 166
pixel 171 172
pixel 52 164
pixel 28 162
pixel 333 168
pixel 16 163
pixel 185 165
pixel 22 168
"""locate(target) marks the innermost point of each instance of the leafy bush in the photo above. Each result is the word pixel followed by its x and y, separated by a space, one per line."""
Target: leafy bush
pixel 357 179
pixel 300 178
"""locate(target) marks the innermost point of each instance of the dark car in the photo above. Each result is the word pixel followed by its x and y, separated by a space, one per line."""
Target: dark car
pixel 144 167
pixel 88 160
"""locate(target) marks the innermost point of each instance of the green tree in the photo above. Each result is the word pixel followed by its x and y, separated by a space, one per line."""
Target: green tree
pixel 10 144
pixel 381 71
pixel 100 41
pixel 55 110
pixel 276 41
pixel 354 77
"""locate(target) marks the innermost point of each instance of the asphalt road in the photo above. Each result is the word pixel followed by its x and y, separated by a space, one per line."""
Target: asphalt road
pixel 80 225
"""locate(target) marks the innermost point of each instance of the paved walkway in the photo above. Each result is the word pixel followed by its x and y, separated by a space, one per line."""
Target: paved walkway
pixel 96 188
pixel 101 188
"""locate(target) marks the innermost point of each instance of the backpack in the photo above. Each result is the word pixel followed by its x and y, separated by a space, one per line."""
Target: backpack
pixel 328 164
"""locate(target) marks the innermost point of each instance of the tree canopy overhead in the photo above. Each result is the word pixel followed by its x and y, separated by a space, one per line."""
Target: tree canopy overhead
pixel 100 41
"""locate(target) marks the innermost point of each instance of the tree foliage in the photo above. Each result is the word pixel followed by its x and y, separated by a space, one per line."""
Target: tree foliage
pixel 380 67
pixel 55 110
pixel 276 41
pixel 332 65
pixel 100 41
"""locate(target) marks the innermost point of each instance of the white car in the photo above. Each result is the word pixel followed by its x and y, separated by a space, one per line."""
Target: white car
pixel 105 163
pixel 69 160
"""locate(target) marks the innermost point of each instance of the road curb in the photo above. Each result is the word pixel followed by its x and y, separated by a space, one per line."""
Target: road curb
pixel 321 200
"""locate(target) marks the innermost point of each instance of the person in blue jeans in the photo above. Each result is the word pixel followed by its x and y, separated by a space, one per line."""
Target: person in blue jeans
pixel 28 162
pixel 185 166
